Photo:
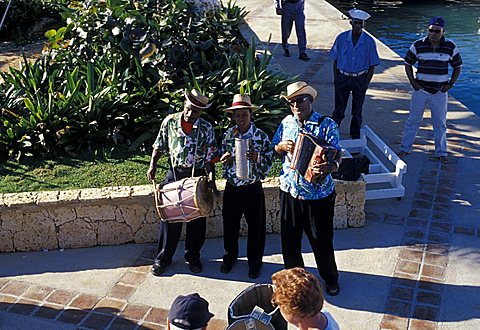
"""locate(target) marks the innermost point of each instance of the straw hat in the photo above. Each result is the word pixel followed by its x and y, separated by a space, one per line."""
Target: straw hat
pixel 300 88
pixel 197 99
pixel 241 101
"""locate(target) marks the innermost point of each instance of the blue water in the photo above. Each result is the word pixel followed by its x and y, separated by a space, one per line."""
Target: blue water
pixel 398 24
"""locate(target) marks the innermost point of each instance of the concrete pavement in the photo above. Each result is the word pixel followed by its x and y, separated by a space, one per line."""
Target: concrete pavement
pixel 413 266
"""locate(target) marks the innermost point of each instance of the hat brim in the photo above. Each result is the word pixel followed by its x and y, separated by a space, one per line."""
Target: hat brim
pixel 305 90
pixel 187 96
pixel 251 107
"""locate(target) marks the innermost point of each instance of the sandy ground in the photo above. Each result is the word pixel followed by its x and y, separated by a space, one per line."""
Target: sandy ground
pixel 11 53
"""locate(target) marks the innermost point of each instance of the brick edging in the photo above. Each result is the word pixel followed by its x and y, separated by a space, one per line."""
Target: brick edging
pixel 88 311
pixel 417 284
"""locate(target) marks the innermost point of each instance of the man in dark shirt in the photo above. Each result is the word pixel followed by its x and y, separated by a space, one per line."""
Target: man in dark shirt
pixel 433 54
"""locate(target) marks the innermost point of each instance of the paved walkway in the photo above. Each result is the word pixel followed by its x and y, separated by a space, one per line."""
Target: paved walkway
pixel 415 265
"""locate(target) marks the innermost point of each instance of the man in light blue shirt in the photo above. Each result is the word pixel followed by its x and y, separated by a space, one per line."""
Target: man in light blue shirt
pixel 354 56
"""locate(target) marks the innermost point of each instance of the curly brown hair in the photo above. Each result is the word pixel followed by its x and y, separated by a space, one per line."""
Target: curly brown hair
pixel 297 292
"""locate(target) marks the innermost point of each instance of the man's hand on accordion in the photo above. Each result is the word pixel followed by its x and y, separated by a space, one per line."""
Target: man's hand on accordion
pixel 325 167
pixel 285 146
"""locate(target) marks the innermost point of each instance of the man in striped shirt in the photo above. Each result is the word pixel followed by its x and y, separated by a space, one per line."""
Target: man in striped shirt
pixel 432 54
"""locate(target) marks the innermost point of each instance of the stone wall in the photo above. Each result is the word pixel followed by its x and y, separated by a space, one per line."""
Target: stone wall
pixel 35 221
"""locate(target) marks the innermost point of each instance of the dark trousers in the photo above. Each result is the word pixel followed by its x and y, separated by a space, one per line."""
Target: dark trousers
pixel 169 233
pixel 344 85
pixel 249 201
pixel 315 219
pixel 294 12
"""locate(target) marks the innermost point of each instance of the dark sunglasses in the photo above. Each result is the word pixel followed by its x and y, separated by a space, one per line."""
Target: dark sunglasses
pixel 298 100
pixel 434 31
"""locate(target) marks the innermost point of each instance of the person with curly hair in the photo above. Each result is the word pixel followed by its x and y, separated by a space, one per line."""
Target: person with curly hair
pixel 299 295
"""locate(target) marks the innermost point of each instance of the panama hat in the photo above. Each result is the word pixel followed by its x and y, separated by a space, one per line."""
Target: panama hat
pixel 197 99
pixel 241 101
pixel 300 88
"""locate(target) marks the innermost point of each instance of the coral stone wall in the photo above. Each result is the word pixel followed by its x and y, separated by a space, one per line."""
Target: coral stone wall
pixel 35 221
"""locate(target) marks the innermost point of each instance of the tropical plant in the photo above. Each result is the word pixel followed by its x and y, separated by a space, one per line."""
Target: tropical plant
pixel 247 74
pixel 117 67
pixel 27 19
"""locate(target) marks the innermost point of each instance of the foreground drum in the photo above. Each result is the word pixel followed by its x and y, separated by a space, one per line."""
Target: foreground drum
pixel 184 200
pixel 252 309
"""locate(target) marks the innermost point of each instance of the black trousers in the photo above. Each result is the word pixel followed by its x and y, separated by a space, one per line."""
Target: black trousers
pixel 315 219
pixel 358 87
pixel 169 233
pixel 249 201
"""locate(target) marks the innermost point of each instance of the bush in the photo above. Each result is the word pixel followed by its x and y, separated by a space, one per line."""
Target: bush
pixel 27 19
pixel 112 73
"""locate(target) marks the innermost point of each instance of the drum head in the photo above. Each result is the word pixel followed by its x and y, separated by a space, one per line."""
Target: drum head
pixel 203 196
pixel 249 324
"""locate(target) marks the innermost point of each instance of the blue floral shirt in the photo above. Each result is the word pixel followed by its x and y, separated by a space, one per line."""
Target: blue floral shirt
pixel 290 180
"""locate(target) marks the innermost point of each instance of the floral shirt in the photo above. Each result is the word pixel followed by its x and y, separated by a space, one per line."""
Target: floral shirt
pixel 260 143
pixel 290 180
pixel 181 147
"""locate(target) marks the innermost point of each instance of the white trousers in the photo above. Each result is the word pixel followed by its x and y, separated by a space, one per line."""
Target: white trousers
pixel 438 107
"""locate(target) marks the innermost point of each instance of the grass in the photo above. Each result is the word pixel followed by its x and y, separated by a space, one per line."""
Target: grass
pixel 86 171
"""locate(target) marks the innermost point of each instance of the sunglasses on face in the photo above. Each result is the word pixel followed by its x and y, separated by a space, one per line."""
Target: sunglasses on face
pixel 434 31
pixel 298 100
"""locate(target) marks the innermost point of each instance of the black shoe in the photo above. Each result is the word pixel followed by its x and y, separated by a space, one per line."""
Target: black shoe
pixel 286 53
pixel 158 269
pixel 225 268
pixel 332 289
pixel 254 274
pixel 304 57
pixel 195 266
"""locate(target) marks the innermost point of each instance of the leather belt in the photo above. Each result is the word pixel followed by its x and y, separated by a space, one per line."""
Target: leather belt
pixel 353 74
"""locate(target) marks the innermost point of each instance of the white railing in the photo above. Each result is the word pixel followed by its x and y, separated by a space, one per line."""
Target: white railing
pixel 381 182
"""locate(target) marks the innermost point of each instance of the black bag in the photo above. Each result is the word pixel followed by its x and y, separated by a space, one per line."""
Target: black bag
pixel 351 168
pixel 253 309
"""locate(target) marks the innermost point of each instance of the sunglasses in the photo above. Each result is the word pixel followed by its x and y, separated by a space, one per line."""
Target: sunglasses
pixel 434 31
pixel 298 100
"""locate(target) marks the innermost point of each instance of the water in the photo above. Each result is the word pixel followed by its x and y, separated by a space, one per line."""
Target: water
pixel 399 23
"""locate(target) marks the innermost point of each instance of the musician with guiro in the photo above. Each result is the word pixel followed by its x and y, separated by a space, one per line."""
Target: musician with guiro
pixel 246 158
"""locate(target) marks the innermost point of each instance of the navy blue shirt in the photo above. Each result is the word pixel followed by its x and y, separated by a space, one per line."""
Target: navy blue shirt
pixel 432 72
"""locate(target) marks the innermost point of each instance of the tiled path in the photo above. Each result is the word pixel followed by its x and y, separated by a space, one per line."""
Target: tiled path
pixel 112 311
pixel 417 284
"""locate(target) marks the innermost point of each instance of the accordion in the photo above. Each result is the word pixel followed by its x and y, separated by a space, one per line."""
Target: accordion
pixel 311 150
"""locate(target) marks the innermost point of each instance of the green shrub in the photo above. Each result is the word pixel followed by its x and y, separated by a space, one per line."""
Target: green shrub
pixel 27 19
pixel 117 67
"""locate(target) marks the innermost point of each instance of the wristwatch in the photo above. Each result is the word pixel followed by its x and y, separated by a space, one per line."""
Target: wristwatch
pixel 451 85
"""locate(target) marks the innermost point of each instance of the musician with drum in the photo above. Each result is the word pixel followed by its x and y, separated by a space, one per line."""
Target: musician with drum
pixel 190 143
pixel 247 158
pixel 307 204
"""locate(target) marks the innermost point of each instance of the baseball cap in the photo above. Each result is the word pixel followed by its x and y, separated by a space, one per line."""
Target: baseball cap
pixel 437 20
pixel 189 312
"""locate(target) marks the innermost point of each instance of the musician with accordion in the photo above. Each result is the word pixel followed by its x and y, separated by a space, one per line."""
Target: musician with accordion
pixel 247 158
pixel 309 146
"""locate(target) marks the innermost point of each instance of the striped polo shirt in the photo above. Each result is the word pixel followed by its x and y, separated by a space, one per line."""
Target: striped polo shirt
pixel 432 72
